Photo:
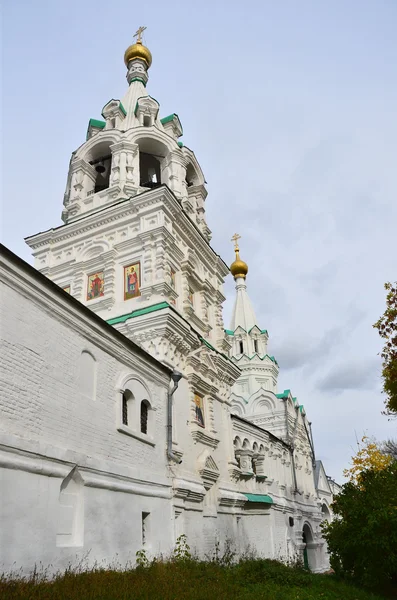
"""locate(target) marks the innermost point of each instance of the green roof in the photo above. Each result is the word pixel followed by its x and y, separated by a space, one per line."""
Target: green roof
pixel 230 332
pixel 167 119
pixel 260 357
pixel 123 109
pixel 138 79
pixel 138 313
pixel 206 343
pixel 170 118
pixel 259 498
pixel 285 394
pixel 180 144
pixel 154 308
pixel 96 123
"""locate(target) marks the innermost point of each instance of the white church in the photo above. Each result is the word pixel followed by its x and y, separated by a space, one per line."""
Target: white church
pixel 129 415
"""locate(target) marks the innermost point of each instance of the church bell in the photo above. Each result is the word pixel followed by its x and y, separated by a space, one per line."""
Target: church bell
pixel 100 167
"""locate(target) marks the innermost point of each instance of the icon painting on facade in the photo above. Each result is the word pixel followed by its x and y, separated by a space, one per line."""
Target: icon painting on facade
pixel 132 276
pixel 95 285
pixel 199 409
pixel 172 279
pixel 66 289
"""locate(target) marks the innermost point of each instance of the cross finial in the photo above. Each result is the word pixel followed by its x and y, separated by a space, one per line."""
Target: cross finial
pixel 234 239
pixel 138 34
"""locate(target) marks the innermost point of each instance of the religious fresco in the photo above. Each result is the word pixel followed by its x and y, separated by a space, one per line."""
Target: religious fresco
pixel 66 289
pixel 199 402
pixel 95 285
pixel 172 279
pixel 132 281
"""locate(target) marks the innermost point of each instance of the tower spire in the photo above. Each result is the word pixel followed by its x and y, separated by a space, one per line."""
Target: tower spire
pixel 243 312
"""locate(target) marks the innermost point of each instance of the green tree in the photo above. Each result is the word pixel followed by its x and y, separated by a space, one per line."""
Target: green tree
pixel 362 539
pixel 387 327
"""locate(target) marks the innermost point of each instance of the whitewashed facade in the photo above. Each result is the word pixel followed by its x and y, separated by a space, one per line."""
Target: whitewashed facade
pixel 238 462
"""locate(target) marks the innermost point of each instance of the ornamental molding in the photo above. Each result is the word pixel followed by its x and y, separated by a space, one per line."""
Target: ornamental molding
pixel 80 321
pixel 127 208
pixel 188 490
pixel 204 437
pixel 231 498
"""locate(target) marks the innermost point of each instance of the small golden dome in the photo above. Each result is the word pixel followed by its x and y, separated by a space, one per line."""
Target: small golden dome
pixel 238 268
pixel 138 50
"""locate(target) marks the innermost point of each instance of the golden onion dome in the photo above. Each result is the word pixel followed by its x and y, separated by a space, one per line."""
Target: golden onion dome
pixel 238 268
pixel 138 50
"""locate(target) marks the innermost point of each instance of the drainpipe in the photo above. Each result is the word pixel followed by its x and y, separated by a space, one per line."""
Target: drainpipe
pixel 176 376
pixel 290 443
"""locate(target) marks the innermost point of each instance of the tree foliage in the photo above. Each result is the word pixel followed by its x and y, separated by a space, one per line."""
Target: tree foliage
pixel 387 327
pixel 390 447
pixel 362 539
pixel 369 456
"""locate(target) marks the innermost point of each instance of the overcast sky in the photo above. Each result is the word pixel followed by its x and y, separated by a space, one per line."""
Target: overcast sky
pixel 290 107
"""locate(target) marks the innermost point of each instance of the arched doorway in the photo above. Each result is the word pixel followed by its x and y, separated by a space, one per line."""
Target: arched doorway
pixel 309 549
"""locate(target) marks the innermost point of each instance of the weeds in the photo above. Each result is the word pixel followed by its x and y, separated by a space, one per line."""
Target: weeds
pixel 185 577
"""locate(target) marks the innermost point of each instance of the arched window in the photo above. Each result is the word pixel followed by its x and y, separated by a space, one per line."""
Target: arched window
pixel 241 347
pixel 256 346
pixel 144 415
pixel 127 399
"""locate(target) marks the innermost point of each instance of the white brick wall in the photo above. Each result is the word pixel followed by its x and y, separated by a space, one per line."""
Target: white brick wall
pixel 47 426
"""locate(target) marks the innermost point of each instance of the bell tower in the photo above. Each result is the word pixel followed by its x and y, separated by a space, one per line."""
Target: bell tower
pixel 135 248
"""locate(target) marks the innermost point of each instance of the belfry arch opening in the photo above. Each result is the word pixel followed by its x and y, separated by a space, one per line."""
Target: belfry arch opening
pixel 150 171
pixel 191 176
pixel 151 156
pixel 101 160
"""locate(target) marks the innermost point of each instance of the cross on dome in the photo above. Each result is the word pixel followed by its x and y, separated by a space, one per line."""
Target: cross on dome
pixel 238 268
pixel 138 33
pixel 234 239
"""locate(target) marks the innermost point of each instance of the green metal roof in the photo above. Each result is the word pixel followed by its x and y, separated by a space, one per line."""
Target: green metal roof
pixel 167 119
pixel 259 498
pixel 138 79
pixel 285 394
pixel 96 123
pixel 230 332
pixel 138 313
pixel 180 144
pixel 170 118
pixel 123 109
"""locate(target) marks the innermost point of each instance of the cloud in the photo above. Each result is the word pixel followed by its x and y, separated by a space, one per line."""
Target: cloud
pixel 360 375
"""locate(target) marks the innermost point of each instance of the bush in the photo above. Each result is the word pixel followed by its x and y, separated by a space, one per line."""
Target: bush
pixel 362 540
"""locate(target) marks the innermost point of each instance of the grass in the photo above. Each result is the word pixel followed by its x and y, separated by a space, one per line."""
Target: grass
pixel 186 579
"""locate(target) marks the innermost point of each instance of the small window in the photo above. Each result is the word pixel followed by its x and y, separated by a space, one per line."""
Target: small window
pixel 256 346
pixel 146 121
pixel 144 415
pixel 125 410
pixel 145 525
pixel 113 123
pixel 241 346
pixel 126 406
pixel 291 521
